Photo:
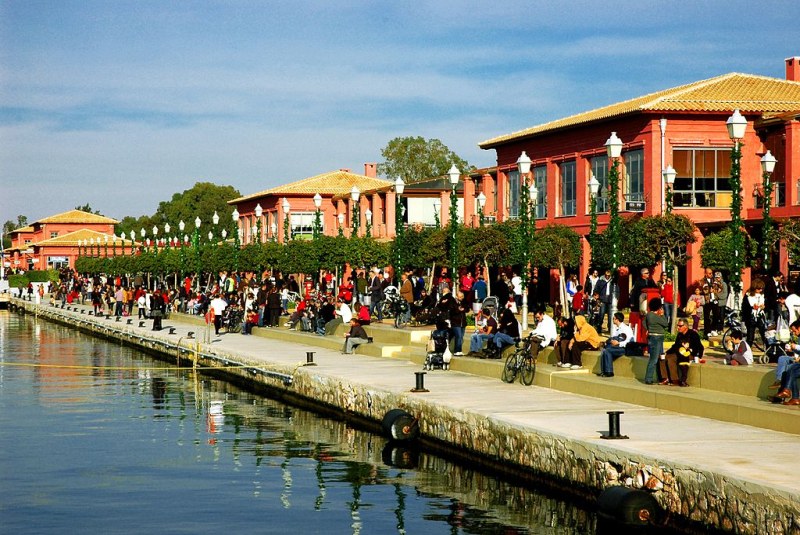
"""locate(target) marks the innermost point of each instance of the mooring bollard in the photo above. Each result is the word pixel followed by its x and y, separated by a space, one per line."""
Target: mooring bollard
pixel 141 324
pixel 310 358
pixel 83 311
pixel 130 320
pixel 171 330
pixel 420 383
pixel 613 426
pixel 190 335
pixel 118 319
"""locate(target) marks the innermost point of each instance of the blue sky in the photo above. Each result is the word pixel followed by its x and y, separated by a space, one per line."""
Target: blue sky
pixel 121 104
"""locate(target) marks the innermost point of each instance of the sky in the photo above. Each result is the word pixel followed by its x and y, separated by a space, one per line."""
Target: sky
pixel 121 104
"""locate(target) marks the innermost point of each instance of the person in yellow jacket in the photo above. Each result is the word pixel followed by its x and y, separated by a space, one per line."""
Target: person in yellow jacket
pixel 586 337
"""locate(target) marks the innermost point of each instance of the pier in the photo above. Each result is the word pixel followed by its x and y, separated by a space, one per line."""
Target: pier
pixel 703 470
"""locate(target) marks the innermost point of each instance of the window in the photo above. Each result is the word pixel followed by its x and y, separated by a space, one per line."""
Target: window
pixel 703 178
pixel 540 203
pixel 634 176
pixel 54 235
pixel 513 194
pixel 568 188
pixel 600 172
pixel 301 225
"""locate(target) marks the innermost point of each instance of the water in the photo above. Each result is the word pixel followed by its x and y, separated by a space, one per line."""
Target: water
pixel 98 438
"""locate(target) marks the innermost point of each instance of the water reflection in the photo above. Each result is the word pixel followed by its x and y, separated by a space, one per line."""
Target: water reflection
pixel 258 455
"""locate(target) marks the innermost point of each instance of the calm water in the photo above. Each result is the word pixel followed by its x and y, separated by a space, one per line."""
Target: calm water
pixel 98 438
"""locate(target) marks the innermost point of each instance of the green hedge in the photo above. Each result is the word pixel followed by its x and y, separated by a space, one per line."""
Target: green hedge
pixel 49 275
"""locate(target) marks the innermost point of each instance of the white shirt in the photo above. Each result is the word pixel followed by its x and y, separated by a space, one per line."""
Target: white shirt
pixel 793 304
pixel 546 329
pixel 345 313
pixel 219 305
pixel 622 329
pixel 516 282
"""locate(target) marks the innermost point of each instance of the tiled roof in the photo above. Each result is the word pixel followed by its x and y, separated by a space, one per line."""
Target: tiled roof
pixel 21 229
pixel 71 239
pixel 77 216
pixel 749 93
pixel 332 183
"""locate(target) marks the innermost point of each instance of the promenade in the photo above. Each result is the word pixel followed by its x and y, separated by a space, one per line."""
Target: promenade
pixel 731 476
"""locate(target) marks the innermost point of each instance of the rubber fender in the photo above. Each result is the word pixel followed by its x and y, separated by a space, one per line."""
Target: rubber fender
pixel 400 425
pixel 629 506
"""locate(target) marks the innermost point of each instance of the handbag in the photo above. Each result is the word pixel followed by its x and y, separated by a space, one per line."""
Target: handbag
pixel 691 308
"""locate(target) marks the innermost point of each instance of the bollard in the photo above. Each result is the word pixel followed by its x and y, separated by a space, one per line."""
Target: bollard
pixel 130 320
pixel 171 330
pixel 83 311
pixel 310 358
pixel 141 324
pixel 190 335
pixel 118 319
pixel 420 383
pixel 613 426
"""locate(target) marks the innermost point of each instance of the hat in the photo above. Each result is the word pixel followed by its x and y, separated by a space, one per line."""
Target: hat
pixel 718 275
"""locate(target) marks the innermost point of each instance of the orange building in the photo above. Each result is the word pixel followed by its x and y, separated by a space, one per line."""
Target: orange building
pixel 682 127
pixel 53 242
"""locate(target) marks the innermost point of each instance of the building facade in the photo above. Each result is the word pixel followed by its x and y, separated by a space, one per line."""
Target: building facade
pixel 683 127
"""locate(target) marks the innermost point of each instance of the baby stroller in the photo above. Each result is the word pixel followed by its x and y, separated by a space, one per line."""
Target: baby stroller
pixel 438 358
pixel 391 297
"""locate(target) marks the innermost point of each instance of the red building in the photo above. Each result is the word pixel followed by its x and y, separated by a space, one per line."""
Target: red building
pixel 682 127
pixel 52 242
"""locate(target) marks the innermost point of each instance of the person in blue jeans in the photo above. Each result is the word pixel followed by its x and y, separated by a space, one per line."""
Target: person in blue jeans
pixel 656 324
pixel 621 334
pixel 792 353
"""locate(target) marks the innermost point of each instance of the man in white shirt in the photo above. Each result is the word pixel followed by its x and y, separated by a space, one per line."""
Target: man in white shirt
pixel 621 334
pixel 218 305
pixel 545 332
pixel 516 285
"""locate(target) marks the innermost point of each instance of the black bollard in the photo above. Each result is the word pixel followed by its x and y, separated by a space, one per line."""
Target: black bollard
pixel 141 324
pixel 130 320
pixel 190 335
pixel 118 318
pixel 310 358
pixel 613 426
pixel 83 311
pixel 171 330
pixel 420 383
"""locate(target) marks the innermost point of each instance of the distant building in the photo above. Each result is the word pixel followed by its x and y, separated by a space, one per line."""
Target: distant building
pixel 52 242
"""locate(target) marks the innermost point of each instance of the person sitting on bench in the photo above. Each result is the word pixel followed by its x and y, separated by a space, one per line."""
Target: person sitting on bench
pixel 355 337
pixel 675 367
pixel 507 329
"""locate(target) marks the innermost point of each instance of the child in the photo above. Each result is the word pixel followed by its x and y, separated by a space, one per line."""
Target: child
pixel 577 300
pixel 740 354
pixel 694 307
pixel 593 311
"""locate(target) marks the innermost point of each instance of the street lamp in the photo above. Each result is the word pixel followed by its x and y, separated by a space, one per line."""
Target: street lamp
pixel 273 227
pixel 355 195
pixel 455 175
pixel 340 218
pixel 236 238
pixel 286 232
pixel 481 204
pixel 594 187
pixel 317 216
pixel 524 168
pixel 614 151
pixel 768 162
pixel 368 217
pixel 196 246
pixel 669 175
pixel 259 212
pixel 399 188
pixel 736 125
pixel 437 209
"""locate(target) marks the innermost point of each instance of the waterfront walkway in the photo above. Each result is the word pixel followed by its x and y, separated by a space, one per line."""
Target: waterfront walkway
pixel 757 461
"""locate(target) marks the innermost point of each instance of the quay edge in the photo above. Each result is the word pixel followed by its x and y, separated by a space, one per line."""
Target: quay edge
pixel 693 497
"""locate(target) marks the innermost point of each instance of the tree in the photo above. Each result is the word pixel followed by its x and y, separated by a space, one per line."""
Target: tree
pixel 88 209
pixel 718 250
pixel 557 246
pixel 487 245
pixel 790 234
pixel 8 226
pixel 201 200
pixel 415 159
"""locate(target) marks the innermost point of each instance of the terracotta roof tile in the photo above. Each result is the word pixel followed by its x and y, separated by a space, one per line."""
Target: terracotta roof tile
pixel 332 183
pixel 77 216
pixel 750 93
pixel 71 239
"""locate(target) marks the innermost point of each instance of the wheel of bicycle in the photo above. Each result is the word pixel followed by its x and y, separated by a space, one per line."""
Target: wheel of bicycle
pixel 773 352
pixel 528 370
pixel 400 322
pixel 510 369
pixel 727 344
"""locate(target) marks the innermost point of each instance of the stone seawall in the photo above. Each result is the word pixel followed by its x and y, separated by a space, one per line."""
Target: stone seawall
pixel 497 440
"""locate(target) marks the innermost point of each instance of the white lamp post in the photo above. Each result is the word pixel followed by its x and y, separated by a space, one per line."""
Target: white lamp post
pixel 455 176
pixel 259 212
pixel 355 195
pixel 481 204
pixel 768 162
pixel 669 179
pixel 736 125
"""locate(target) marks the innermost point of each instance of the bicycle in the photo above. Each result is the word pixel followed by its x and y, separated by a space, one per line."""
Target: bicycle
pixel 521 362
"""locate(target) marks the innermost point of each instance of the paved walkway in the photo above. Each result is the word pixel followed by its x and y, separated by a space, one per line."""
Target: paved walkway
pixel 742 452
